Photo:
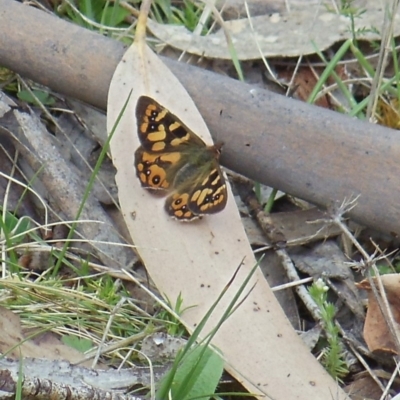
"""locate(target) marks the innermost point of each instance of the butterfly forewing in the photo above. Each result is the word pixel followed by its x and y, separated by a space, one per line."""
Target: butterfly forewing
pixel 161 131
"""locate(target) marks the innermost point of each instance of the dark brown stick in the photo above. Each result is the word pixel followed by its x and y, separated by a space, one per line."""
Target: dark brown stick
pixel 312 153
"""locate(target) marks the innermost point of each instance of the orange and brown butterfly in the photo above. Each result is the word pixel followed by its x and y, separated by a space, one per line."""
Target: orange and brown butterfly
pixel 174 159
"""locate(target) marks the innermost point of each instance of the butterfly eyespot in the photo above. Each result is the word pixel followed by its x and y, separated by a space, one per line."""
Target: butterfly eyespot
pixel 207 199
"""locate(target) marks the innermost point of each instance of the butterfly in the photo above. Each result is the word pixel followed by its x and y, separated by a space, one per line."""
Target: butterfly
pixel 174 160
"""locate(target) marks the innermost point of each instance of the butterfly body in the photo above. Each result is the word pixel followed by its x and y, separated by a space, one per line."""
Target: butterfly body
pixel 173 159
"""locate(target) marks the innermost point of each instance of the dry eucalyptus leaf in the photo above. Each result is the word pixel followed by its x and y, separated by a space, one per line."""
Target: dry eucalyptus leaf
pixel 324 259
pixel 196 260
pixel 254 233
pixel 376 332
pixel 233 9
pixel 307 27
pixel 312 336
pixel 303 226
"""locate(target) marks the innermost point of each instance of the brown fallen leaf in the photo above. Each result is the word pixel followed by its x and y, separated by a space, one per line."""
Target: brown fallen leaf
pixel 364 387
pixel 377 334
pixel 304 81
